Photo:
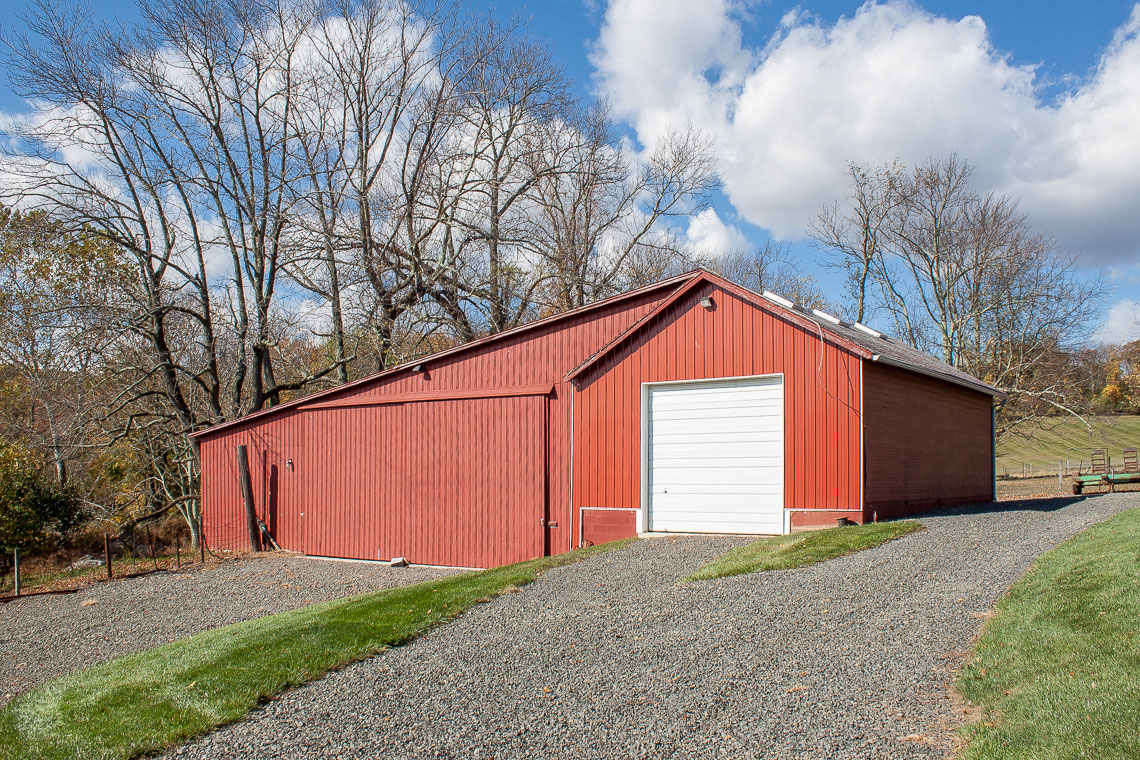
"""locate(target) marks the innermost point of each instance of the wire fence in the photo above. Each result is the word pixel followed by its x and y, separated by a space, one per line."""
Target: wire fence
pixel 117 560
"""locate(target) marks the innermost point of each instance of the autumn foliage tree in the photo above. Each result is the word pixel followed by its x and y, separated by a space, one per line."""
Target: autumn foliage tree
pixel 34 512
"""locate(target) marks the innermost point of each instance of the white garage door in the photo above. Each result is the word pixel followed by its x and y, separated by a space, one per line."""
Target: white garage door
pixel 716 456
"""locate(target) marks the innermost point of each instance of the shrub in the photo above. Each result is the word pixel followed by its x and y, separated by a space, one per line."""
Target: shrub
pixel 34 513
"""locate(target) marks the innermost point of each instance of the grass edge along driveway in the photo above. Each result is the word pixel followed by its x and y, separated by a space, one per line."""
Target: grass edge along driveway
pixel 148 701
pixel 801 549
pixel 1054 671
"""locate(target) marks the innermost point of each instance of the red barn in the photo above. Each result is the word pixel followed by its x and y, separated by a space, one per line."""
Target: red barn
pixel 691 405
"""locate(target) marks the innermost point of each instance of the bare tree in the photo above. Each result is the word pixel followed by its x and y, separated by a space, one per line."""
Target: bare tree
pixel 963 275
pixel 858 230
pixel 597 227
pixel 772 267
pixel 509 101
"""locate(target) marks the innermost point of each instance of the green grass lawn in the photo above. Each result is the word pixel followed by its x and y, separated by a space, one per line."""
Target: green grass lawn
pixel 1068 439
pixel 145 702
pixel 799 549
pixel 1056 671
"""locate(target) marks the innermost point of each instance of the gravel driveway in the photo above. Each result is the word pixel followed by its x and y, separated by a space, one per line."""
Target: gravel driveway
pixel 609 659
pixel 45 636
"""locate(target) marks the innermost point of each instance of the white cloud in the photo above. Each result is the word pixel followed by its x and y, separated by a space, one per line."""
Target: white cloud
pixel 1122 324
pixel 891 81
pixel 708 236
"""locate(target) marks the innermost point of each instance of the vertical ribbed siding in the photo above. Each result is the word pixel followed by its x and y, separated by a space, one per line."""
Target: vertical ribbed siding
pixel 453 482
pixel 377 497
pixel 946 460
pixel 687 342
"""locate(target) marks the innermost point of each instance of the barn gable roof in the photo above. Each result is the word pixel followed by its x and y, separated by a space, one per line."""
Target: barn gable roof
pixel 701 277
pixel 863 342
pixel 448 353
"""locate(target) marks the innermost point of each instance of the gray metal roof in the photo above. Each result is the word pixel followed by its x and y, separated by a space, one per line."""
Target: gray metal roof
pixel 894 352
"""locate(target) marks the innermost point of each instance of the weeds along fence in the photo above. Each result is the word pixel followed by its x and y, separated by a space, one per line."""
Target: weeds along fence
pixel 117 560
pixel 1063 468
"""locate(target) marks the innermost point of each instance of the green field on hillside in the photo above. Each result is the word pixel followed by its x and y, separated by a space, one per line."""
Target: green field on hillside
pixel 1068 440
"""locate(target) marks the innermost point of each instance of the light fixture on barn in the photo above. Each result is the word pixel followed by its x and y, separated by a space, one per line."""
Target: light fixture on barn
pixel 707 302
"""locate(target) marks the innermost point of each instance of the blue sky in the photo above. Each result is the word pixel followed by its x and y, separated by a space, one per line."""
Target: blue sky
pixel 1043 97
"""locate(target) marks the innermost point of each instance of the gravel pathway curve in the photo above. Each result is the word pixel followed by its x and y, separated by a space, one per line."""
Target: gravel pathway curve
pixel 610 659
pixel 42 637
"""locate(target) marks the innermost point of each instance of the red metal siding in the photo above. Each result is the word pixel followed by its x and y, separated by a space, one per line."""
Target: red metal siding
pixel 928 443
pixel 541 356
pixel 276 487
pixel 600 526
pixel 735 339
pixel 457 482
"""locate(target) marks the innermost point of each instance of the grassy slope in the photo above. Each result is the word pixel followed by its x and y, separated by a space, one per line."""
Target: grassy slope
pixel 1068 440
pixel 153 699
pixel 799 549
pixel 1057 669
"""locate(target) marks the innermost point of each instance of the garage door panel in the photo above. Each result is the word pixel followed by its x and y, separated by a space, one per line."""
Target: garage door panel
pixel 765 528
pixel 727 508
pixel 710 454
pixel 743 408
pixel 716 457
pixel 755 475
pixel 741 422
pixel 742 437
pixel 697 411
pixel 707 491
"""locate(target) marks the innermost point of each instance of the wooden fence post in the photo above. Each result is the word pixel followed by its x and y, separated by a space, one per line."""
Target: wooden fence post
pixel 201 537
pixel 16 563
pixel 150 546
pixel 247 497
pixel 107 555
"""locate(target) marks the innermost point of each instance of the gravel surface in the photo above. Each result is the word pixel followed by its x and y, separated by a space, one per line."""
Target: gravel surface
pixel 45 636
pixel 610 659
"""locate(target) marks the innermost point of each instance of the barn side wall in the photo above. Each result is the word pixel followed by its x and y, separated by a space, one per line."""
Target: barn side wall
pixel 928 443
pixel 223 511
pixel 541 356
pixel 737 338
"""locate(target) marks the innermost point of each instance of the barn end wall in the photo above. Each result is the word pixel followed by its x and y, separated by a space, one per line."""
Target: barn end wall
pixel 296 457
pixel 737 338
pixel 928 443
